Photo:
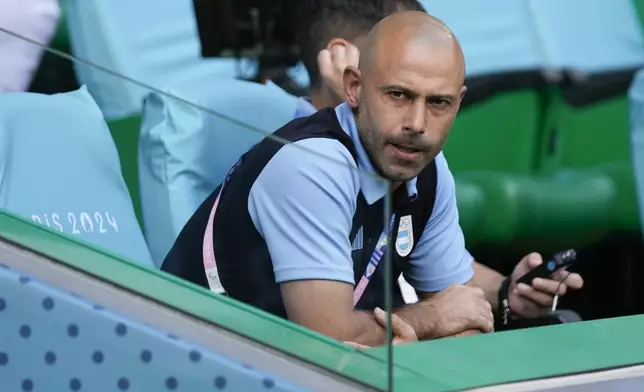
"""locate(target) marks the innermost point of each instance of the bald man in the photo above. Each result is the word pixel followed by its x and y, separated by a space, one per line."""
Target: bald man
pixel 341 51
pixel 299 231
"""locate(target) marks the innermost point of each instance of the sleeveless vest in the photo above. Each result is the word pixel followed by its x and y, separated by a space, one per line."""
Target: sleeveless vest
pixel 243 262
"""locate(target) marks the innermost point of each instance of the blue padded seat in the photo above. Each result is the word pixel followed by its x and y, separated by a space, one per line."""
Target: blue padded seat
pixel 184 152
pixel 59 167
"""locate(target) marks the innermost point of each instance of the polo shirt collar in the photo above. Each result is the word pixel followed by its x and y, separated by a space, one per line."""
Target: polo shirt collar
pixel 372 185
pixel 304 108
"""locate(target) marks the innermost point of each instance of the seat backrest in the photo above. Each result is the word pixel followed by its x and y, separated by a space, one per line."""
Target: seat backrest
pixel 584 136
pixel 496 35
pixel 508 35
pixel 639 7
pixel 155 42
pixel 184 152
pixel 506 119
pixel 59 167
pixel 637 137
pixel 593 137
pixel 570 37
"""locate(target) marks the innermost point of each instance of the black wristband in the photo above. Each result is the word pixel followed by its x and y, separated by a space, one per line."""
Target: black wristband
pixel 504 302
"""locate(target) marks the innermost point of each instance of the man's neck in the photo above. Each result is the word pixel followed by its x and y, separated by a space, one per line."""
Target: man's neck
pixel 321 98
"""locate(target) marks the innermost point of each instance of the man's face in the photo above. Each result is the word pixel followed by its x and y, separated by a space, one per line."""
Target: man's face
pixel 407 102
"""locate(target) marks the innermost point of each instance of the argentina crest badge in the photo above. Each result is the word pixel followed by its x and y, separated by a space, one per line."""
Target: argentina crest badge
pixel 405 238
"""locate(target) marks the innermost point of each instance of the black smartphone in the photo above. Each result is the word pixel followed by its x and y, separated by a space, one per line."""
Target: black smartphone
pixel 560 260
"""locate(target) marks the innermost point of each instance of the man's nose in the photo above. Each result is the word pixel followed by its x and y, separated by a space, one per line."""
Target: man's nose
pixel 415 117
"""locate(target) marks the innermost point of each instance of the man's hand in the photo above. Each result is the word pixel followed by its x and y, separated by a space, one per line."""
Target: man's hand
pixel 455 310
pixel 332 61
pixel 469 332
pixel 536 300
pixel 403 332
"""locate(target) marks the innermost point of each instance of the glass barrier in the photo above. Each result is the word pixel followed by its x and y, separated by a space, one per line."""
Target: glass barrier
pixel 175 142
pixel 62 325
pixel 87 257
pixel 40 264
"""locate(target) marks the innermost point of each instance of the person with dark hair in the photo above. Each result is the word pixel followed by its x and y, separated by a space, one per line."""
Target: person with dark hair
pixel 406 5
pixel 337 33
pixel 319 22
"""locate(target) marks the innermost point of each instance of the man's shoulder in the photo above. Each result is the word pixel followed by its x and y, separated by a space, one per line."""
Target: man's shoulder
pixel 313 176
pixel 313 122
pixel 314 141
pixel 314 155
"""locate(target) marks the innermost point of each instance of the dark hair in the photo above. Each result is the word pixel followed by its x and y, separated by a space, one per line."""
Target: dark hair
pixel 406 5
pixel 319 21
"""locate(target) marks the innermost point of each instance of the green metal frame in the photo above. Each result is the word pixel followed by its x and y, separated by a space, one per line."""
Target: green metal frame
pixel 442 365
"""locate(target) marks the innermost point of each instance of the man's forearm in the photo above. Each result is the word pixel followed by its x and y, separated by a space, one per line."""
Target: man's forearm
pixel 489 281
pixel 416 315
pixel 368 331
pixel 421 316
pixel 365 330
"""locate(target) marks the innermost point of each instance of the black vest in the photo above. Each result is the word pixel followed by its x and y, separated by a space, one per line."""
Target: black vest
pixel 243 261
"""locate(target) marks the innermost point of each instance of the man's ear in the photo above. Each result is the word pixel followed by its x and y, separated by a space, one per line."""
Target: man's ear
pixel 460 98
pixel 463 91
pixel 352 86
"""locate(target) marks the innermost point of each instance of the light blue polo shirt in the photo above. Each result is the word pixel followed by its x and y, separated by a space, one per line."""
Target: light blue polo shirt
pixel 304 108
pixel 303 206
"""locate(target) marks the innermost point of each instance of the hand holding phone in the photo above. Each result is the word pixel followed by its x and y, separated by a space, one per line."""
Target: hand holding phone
pixel 560 260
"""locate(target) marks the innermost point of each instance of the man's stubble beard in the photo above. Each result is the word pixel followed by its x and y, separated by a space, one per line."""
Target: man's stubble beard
pixel 374 143
pixel 371 139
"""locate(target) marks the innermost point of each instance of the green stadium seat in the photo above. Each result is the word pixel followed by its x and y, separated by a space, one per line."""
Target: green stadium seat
pixel 125 132
pixel 572 208
pixel 639 6
pixel 593 137
pixel 584 136
pixel 471 208
pixel 498 134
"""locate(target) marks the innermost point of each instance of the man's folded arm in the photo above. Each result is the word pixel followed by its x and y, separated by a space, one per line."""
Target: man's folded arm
pixel 303 205
pixel 304 212
pixel 327 307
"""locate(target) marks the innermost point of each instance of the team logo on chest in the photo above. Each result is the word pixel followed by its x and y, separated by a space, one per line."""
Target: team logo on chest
pixel 405 238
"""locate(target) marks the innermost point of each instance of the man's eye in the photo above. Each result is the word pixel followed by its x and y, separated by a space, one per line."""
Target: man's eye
pixel 397 95
pixel 439 103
